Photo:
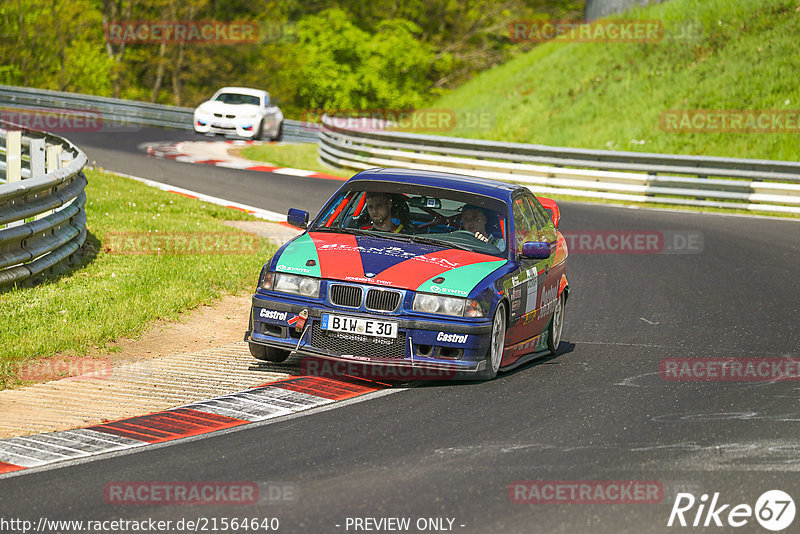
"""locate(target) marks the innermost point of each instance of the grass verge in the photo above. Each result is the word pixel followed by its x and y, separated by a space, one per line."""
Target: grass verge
pixel 298 156
pixel 124 283
pixel 715 55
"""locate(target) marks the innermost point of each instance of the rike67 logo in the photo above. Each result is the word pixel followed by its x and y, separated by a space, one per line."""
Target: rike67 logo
pixel 774 510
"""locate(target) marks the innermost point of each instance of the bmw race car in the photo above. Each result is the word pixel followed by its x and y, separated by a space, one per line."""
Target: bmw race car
pixel 239 111
pixel 417 272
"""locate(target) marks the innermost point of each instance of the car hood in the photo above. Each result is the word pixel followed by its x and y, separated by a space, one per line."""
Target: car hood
pixel 386 262
pixel 213 106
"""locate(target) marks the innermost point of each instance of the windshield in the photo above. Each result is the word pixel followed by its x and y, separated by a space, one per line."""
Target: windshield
pixel 237 98
pixel 435 216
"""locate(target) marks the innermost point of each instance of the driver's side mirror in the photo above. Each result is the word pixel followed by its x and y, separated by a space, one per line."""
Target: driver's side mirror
pixel 297 218
pixel 536 250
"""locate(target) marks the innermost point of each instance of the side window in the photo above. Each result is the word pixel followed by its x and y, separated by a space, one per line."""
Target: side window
pixel 524 223
pixel 547 231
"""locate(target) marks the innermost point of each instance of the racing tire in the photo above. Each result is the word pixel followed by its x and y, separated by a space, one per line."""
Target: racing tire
pixel 278 134
pixel 268 354
pixel 497 342
pixel 556 325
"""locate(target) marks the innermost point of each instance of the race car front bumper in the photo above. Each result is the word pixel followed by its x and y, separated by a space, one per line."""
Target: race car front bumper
pixel 425 347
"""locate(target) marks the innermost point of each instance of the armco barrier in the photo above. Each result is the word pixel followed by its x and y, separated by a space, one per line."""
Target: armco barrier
pixel 748 184
pixel 118 113
pixel 42 220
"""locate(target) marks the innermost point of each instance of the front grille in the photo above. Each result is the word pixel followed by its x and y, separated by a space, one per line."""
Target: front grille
pixel 349 296
pixel 382 300
pixel 339 343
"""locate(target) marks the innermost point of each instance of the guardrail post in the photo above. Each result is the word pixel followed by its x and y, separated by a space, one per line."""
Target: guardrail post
pixel 14 156
pixel 13 164
pixel 37 157
pixel 64 159
pixel 52 163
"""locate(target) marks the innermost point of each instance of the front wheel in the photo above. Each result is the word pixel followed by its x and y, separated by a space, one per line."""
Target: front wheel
pixel 496 344
pixel 278 132
pixel 556 325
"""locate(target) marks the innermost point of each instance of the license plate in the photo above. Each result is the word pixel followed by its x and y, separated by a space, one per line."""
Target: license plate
pixel 357 325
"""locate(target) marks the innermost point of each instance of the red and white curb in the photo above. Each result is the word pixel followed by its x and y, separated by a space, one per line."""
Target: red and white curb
pixel 276 399
pixel 216 153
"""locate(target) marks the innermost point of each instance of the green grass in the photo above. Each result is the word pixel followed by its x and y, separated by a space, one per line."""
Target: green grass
pixel 741 54
pixel 113 295
pixel 298 156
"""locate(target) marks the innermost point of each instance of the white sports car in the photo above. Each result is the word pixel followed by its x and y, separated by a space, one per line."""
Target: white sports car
pixel 239 111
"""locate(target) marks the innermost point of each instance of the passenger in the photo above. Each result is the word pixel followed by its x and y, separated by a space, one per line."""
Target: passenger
pixel 379 208
pixel 473 220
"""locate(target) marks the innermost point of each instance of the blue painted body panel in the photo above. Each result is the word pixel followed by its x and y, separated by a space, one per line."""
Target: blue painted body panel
pixel 464 341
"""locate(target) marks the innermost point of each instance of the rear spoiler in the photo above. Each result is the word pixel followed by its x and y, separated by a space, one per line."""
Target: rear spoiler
pixel 551 206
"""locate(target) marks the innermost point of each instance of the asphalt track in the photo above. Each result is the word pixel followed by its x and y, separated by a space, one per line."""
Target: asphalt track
pixel 597 412
pixel 120 152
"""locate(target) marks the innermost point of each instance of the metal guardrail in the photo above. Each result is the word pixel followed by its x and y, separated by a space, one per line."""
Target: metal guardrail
pixel 42 220
pixel 116 112
pixel 749 184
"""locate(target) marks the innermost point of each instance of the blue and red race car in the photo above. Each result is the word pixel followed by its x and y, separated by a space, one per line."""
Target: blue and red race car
pixel 417 274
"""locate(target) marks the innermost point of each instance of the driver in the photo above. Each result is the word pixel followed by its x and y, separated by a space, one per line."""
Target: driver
pixel 379 208
pixel 473 219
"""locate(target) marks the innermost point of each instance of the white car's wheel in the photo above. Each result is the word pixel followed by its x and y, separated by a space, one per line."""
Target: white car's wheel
pixel 278 132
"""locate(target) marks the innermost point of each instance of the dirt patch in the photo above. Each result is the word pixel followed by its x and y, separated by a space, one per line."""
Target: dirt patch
pixel 200 353
pixel 219 323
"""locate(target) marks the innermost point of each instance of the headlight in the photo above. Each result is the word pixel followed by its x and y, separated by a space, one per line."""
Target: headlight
pixel 425 302
pixel 291 283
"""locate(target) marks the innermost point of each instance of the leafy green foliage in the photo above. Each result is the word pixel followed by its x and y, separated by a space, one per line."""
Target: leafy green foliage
pixel 53 45
pixel 345 67
pixel 313 54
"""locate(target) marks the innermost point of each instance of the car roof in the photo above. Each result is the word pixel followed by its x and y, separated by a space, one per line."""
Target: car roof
pixel 242 90
pixel 459 182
